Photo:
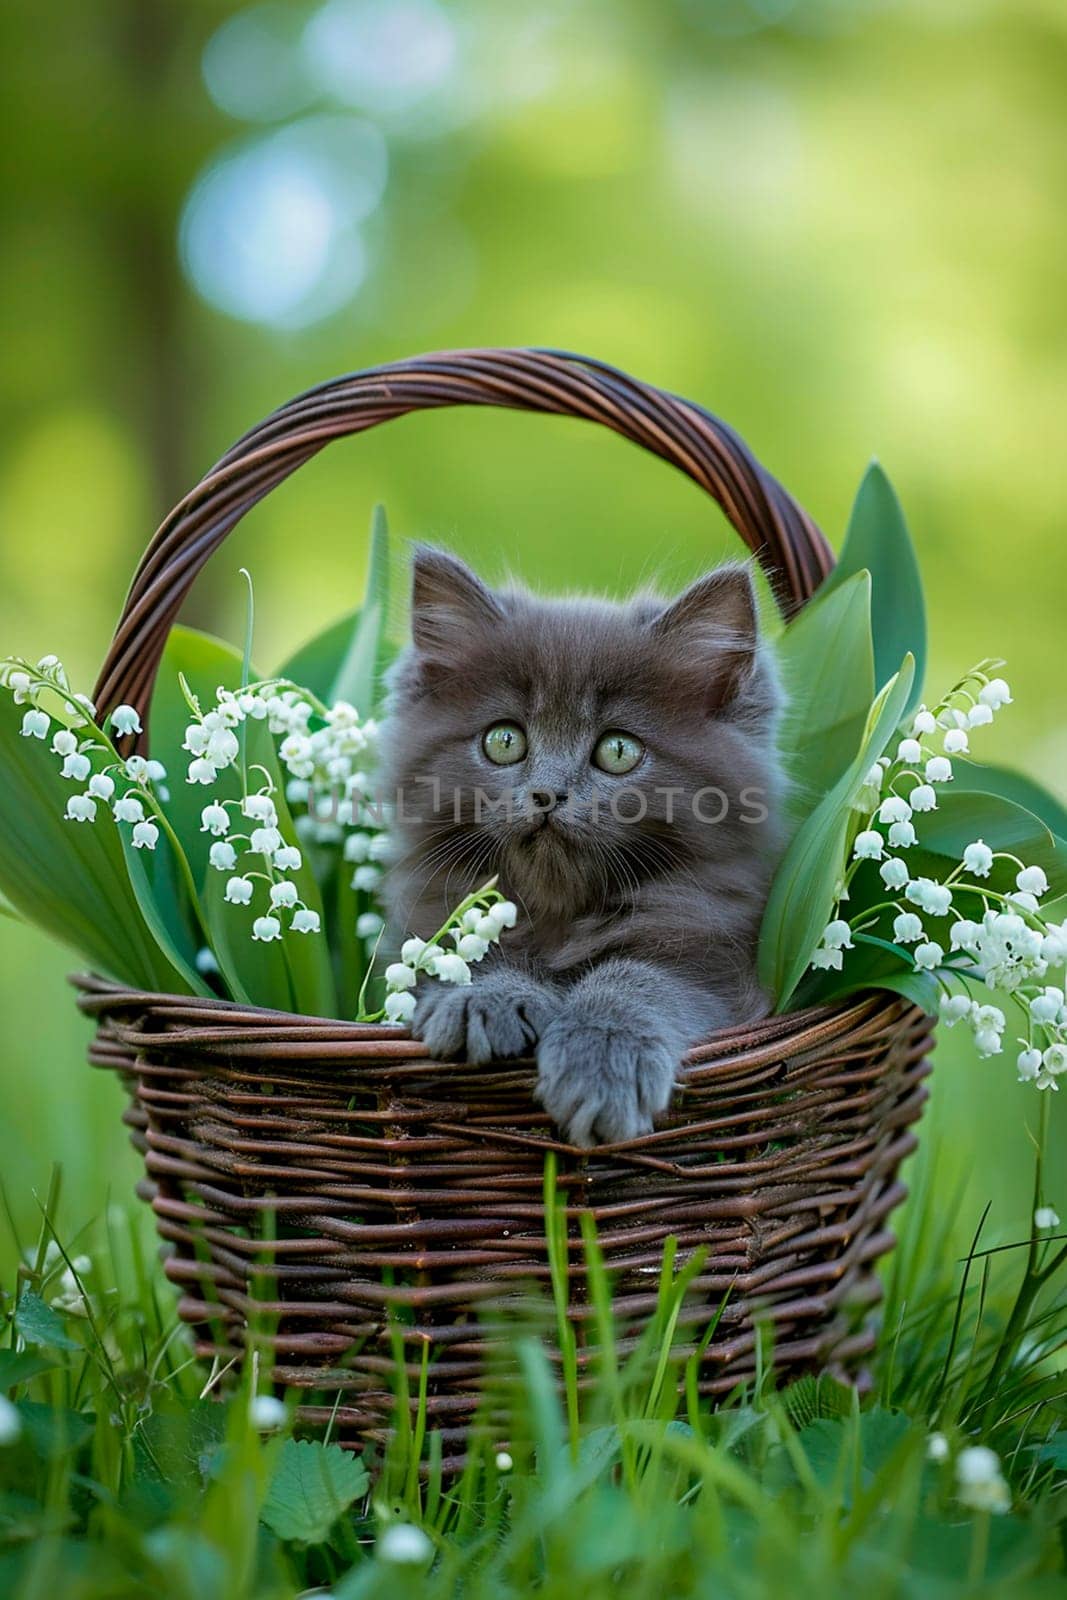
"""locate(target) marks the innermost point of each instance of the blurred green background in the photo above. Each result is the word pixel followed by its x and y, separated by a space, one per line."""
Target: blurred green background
pixel 841 224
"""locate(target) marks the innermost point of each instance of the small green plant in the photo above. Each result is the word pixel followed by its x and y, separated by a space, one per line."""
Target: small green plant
pixel 124 1470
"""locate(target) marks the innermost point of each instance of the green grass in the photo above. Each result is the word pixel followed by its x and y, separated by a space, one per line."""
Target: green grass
pixel 131 1477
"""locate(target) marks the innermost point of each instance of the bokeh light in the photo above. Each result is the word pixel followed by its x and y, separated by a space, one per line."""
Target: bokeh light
pixel 380 55
pixel 253 67
pixel 271 232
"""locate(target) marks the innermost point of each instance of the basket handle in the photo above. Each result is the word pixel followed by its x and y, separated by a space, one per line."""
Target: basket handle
pixel 788 544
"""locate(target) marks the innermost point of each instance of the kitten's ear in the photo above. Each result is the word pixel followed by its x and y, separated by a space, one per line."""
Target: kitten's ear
pixel 447 603
pixel 712 633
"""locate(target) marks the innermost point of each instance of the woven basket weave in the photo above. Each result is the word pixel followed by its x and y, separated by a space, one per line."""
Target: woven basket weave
pixel 310 1176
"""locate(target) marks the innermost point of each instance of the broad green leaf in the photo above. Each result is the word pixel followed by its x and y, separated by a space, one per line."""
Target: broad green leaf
pixel 298 977
pixel 313 1485
pixel 358 677
pixel 829 1445
pixel 292 973
pixel 19 1366
pixel 351 958
pixel 826 660
pixel 70 878
pixel 176 1442
pixel 315 664
pixel 872 964
pixel 359 681
pixel 878 540
pixel 54 1431
pixel 37 1323
pixel 347 660
pixel 161 908
pixel 803 890
pixel 207 664
pixel 963 816
pixel 1025 792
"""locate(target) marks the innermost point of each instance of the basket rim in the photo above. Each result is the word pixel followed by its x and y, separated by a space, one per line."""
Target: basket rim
pixel 99 996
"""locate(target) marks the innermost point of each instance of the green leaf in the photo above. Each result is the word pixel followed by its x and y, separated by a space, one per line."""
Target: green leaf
pixel 176 1443
pixel 313 1485
pixel 358 677
pixel 963 816
pixel 206 664
pixel 70 878
pixel 877 539
pixel 826 660
pixel 803 890
pixel 55 1431
pixel 293 973
pixel 39 1324
pixel 1025 792
pixel 168 930
pixel 828 1445
pixel 19 1366
pixel 873 964
pixel 290 974
pixel 315 664
pixel 347 660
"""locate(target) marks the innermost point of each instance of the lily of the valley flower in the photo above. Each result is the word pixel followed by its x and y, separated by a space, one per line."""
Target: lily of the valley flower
pixel 978 859
pixel 923 798
pixel 894 873
pixel 215 819
pixel 128 809
pixel 399 1006
pixel 76 767
pixel 126 720
pixel 222 856
pixel 995 694
pixel 81 808
pixel 907 928
pixel 1032 880
pixel 980 1483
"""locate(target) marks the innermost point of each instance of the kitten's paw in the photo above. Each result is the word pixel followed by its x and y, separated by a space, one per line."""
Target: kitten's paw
pixel 494 1019
pixel 601 1084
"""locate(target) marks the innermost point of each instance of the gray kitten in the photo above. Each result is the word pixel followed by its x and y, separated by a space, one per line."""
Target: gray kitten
pixel 615 765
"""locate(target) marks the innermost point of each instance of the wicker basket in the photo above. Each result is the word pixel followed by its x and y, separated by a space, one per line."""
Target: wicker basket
pixel 308 1176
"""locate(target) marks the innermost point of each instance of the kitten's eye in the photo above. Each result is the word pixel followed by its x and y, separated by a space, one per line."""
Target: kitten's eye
pixel 618 753
pixel 504 743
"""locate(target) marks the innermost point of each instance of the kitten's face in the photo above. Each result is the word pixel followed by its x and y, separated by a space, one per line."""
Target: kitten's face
pixel 578 747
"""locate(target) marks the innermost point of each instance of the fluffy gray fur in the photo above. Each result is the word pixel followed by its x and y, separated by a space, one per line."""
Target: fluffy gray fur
pixel 635 938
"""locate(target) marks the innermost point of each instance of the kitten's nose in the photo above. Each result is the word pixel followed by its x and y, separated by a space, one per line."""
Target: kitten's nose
pixel 547 799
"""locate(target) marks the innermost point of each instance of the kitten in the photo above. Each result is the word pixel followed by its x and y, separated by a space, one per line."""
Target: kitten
pixel 615 765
